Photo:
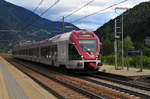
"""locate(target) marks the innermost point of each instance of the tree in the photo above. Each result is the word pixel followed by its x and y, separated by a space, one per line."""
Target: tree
pixel 107 47
pixel 146 51
pixel 128 45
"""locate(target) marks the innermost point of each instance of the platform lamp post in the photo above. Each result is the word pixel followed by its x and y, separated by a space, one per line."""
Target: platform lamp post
pixel 117 37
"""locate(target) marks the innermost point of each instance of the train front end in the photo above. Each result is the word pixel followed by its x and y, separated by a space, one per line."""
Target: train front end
pixel 84 50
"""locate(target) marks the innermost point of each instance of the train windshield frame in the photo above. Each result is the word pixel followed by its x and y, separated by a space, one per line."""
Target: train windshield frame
pixel 88 45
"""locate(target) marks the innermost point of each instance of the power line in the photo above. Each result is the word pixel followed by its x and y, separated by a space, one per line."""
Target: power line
pixel 41 15
pixel 28 18
pixel 38 5
pixel 49 8
pixel 99 11
pixel 79 9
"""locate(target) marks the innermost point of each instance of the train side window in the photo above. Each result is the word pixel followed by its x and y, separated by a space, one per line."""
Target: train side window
pixel 47 52
pixel 50 51
pixel 44 52
pixel 37 52
pixel 54 50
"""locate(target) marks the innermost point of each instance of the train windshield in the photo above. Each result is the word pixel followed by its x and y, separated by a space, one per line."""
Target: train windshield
pixel 88 45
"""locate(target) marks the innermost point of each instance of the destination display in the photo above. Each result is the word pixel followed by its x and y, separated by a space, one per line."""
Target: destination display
pixel 86 35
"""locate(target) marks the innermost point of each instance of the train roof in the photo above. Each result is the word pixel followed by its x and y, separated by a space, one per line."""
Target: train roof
pixel 57 38
pixel 61 37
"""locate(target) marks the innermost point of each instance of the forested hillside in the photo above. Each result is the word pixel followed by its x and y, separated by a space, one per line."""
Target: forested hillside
pixel 136 27
pixel 30 26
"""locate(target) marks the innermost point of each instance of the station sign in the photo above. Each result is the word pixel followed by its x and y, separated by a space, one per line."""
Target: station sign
pixel 134 53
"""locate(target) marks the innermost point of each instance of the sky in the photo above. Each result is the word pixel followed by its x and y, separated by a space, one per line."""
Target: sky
pixel 65 7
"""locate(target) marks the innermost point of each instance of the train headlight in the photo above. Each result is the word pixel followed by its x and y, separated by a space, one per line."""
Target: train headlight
pixel 82 56
pixel 96 56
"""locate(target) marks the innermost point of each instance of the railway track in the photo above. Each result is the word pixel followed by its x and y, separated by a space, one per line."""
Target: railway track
pixel 73 91
pixel 126 89
pixel 84 87
pixel 121 80
pixel 117 82
pixel 143 81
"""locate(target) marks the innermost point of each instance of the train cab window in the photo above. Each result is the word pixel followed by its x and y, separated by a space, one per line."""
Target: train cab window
pixel 73 53
pixel 88 45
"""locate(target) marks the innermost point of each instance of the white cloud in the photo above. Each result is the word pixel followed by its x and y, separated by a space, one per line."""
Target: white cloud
pixel 65 7
pixel 89 27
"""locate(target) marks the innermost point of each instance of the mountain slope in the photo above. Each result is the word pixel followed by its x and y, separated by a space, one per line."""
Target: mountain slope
pixel 13 17
pixel 136 25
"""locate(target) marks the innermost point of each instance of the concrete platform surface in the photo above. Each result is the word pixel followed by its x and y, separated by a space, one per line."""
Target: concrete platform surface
pixel 124 71
pixel 16 85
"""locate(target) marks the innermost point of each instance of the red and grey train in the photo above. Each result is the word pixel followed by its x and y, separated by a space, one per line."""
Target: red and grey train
pixel 76 50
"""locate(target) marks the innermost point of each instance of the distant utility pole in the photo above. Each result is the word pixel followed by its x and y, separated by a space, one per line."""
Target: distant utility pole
pixel 63 27
pixel 115 45
pixel 117 37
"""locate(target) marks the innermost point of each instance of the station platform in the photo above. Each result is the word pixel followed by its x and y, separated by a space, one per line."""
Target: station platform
pixel 124 71
pixel 16 85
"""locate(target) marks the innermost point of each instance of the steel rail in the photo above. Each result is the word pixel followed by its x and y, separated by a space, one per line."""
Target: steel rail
pixel 141 95
pixel 39 82
pixel 120 79
pixel 69 85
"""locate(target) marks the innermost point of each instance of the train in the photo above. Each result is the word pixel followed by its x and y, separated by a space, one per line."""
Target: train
pixel 75 50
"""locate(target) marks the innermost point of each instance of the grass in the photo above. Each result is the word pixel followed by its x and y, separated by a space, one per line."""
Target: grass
pixel 132 62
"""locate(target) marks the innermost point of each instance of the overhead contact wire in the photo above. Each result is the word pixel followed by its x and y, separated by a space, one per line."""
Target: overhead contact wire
pixel 41 15
pixel 79 8
pixel 33 12
pixel 99 11
pixel 38 5
pixel 49 8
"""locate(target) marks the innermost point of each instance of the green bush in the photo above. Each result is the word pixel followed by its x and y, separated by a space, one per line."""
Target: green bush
pixel 135 61
pixel 146 51
pixel 108 60
pixel 146 62
pixel 3 51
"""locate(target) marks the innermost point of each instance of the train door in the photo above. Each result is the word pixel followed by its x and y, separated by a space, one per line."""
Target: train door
pixel 54 55
pixel 62 52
